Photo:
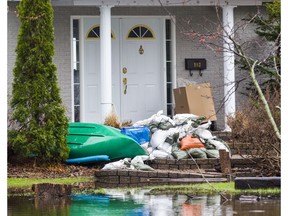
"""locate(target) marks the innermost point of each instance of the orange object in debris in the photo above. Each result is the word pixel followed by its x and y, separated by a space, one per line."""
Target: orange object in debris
pixel 189 142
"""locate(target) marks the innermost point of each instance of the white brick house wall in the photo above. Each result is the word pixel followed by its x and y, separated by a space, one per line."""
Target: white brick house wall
pixel 185 48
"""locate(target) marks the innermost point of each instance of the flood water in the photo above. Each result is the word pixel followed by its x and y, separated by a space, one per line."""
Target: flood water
pixel 139 203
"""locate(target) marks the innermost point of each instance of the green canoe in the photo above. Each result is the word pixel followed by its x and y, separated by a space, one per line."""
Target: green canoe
pixel 88 139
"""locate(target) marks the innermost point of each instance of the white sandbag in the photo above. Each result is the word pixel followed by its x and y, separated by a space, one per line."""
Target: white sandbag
pixel 161 154
pixel 150 149
pixel 161 118
pixel 205 126
pixel 151 156
pixel 159 136
pixel 165 147
pixel 218 144
pixel 147 121
pixel 184 130
pixel 121 164
pixel 145 145
pixel 203 133
pixel 179 119
pixel 139 159
pixel 157 118
pixel 144 167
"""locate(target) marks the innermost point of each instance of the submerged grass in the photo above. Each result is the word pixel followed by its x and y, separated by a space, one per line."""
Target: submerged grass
pixel 192 189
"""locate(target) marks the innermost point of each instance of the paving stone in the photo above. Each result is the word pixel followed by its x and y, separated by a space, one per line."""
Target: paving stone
pixel 163 166
pixel 200 161
pixel 133 173
pixel 206 166
pixel 182 162
pixel 171 161
pixel 172 175
pixel 106 172
pixel 123 172
pixel 162 174
pixel 213 160
pixel 152 174
pixel 160 161
pixel 134 180
pixel 184 167
pixel 124 179
pixel 143 174
pixel 113 179
pixel 175 167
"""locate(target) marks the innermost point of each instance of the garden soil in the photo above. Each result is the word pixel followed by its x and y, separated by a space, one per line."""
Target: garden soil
pixel 56 171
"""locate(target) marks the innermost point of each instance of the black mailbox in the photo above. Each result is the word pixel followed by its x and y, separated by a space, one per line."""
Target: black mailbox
pixel 195 64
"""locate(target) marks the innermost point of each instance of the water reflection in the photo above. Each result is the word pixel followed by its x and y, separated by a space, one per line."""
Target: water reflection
pixel 137 202
pixel 104 205
pixel 38 207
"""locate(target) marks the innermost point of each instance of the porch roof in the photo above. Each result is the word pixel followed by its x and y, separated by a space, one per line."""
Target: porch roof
pixel 156 2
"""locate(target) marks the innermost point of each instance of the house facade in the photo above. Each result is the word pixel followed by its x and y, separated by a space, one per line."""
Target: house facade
pixel 128 56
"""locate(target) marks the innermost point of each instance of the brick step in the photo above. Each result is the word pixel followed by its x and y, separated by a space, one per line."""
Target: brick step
pixel 189 164
pixel 235 146
pixel 135 178
pixel 171 171
pixel 226 136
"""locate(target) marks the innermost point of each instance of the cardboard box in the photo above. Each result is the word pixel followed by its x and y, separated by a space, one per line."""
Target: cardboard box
pixel 195 99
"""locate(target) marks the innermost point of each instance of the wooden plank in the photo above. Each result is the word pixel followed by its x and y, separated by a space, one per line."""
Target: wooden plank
pixel 225 161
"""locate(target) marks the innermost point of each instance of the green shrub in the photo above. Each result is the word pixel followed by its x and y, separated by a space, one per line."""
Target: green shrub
pixel 40 125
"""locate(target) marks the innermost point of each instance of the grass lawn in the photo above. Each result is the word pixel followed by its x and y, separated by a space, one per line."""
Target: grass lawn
pixel 28 182
pixel 202 188
pixel 211 188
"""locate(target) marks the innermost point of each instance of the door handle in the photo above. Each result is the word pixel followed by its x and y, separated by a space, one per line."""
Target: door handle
pixel 125 85
pixel 124 70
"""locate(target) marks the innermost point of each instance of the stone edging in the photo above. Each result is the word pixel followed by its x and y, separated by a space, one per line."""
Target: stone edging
pixel 169 171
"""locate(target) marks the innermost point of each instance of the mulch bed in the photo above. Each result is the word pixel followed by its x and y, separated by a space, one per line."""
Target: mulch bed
pixel 59 171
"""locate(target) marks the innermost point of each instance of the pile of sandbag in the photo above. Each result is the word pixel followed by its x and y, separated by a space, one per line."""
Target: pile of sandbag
pixel 182 137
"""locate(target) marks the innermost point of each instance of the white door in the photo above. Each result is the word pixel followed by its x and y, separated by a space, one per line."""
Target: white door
pixel 92 81
pixel 142 94
pixel 142 74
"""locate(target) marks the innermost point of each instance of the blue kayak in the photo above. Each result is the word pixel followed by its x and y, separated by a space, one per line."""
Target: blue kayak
pixel 88 160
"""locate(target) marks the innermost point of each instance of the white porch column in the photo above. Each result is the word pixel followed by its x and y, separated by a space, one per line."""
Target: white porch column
pixel 228 66
pixel 105 61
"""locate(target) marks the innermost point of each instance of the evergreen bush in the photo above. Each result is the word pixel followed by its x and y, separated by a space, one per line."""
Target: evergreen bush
pixel 40 124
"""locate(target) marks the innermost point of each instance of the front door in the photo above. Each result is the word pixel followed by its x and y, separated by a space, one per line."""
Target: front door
pixel 142 68
pixel 137 68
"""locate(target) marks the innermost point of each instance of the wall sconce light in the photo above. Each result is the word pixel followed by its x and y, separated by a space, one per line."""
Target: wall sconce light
pixel 195 64
pixel 141 50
